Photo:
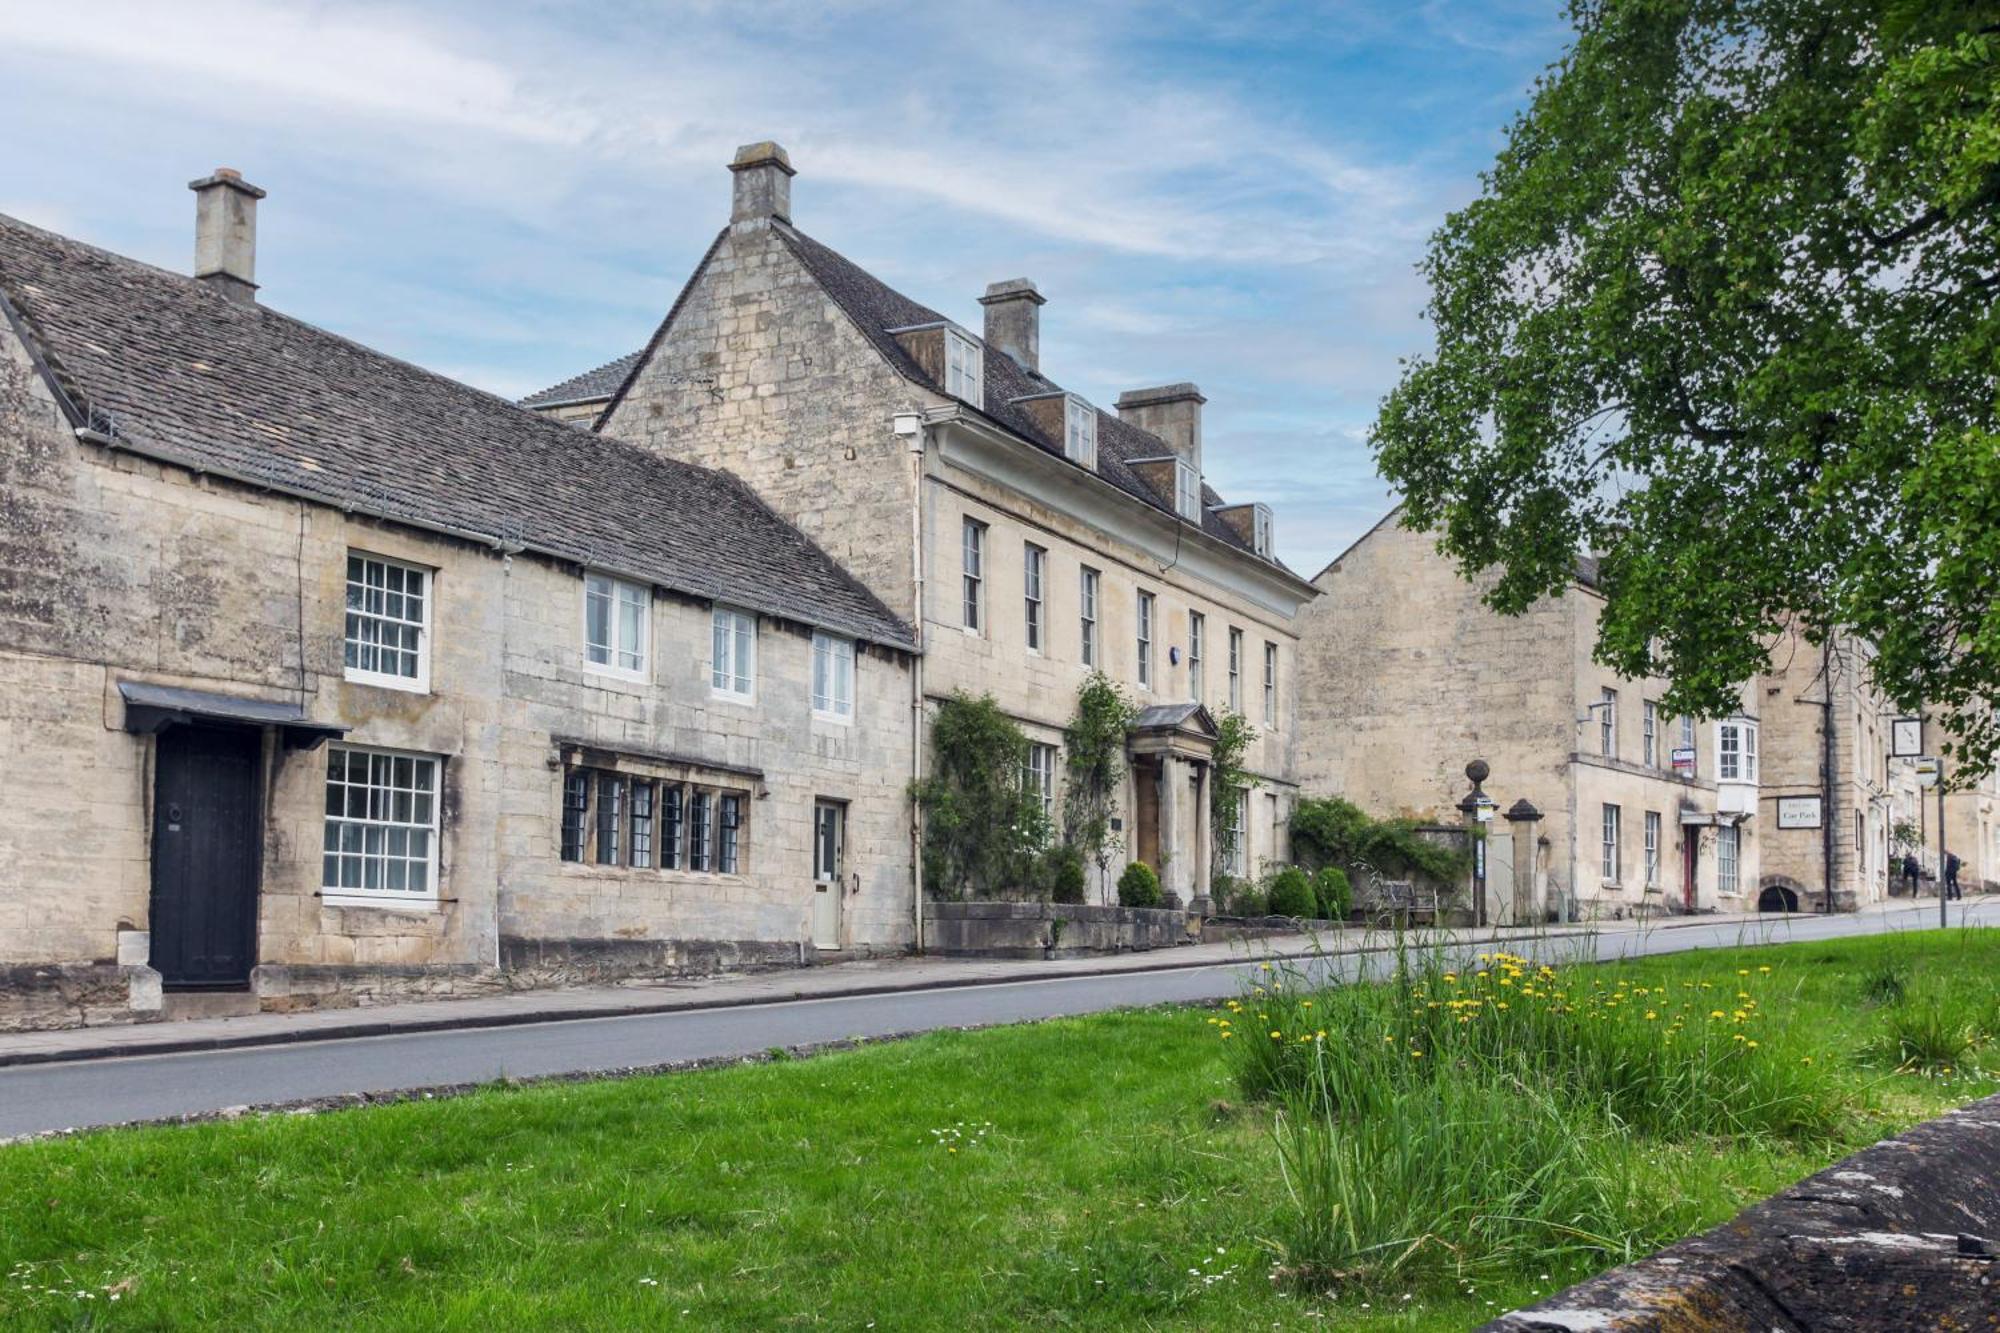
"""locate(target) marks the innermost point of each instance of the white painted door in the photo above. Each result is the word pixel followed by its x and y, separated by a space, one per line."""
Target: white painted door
pixel 829 852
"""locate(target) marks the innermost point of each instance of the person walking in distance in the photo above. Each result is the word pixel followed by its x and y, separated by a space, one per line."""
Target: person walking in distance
pixel 1951 876
pixel 1910 873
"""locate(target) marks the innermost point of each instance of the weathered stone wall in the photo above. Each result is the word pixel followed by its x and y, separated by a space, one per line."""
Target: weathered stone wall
pixel 762 374
pixel 1406 676
pixel 1049 930
pixel 117 568
pixel 1904 1235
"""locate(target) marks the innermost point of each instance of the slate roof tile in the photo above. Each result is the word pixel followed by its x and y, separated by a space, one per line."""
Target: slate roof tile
pixel 176 368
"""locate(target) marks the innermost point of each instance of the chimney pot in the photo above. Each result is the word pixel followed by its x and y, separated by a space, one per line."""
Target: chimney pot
pixel 225 233
pixel 1170 411
pixel 763 185
pixel 1014 320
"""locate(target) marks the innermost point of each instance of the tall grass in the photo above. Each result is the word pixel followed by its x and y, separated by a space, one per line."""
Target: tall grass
pixel 1448 1120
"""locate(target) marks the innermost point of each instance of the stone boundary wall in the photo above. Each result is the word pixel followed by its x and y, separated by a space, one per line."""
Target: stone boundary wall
pixel 1903 1235
pixel 1048 930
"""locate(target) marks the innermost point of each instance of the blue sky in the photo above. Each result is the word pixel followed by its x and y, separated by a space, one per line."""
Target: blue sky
pixel 512 192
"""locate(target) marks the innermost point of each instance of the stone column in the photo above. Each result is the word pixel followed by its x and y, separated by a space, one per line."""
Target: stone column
pixel 1204 843
pixel 1524 819
pixel 1173 874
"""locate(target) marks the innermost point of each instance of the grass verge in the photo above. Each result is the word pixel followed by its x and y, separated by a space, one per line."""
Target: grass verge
pixel 1090 1173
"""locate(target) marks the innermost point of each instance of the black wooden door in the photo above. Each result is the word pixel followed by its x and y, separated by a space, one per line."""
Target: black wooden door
pixel 205 856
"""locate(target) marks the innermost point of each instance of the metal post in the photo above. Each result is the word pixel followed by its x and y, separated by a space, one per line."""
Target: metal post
pixel 1943 916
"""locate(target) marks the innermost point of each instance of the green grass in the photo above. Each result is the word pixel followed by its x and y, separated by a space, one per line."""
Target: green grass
pixel 1097 1162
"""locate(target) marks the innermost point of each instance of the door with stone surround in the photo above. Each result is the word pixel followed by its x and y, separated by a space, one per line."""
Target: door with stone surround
pixel 829 857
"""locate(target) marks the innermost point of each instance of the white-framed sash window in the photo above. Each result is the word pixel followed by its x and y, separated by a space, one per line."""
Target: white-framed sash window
pixel 388 628
pixel 833 677
pixel 1034 563
pixel 1144 644
pixel 1079 431
pixel 615 624
pixel 380 844
pixel 1087 599
pixel 963 368
pixel 732 672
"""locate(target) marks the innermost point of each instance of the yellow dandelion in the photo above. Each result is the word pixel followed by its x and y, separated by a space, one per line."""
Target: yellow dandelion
pixel 1277 1036
pixel 1650 1015
pixel 1416 1055
pixel 1751 1044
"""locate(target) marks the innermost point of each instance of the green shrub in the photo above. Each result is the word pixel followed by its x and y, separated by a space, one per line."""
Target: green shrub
pixel 1066 877
pixel 1331 831
pixel 1240 897
pixel 1138 886
pixel 1291 894
pixel 1335 894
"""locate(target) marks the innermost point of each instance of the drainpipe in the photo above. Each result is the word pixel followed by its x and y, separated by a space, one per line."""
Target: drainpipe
pixel 910 426
pixel 1826 772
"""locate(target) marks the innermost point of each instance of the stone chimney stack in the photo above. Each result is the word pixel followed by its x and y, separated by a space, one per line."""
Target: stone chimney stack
pixel 1172 412
pixel 763 185
pixel 1014 320
pixel 225 233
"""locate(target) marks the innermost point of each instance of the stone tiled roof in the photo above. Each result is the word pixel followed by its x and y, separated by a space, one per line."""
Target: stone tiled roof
pixel 177 370
pixel 589 387
pixel 875 307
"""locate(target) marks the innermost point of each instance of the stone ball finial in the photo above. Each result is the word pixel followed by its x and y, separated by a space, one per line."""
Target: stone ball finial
pixel 1477 771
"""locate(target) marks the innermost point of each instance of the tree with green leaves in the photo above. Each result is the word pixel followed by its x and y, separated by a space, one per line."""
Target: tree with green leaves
pixel 1727 315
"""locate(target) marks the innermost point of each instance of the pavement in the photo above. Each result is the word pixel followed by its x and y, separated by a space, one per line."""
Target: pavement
pixel 52 1081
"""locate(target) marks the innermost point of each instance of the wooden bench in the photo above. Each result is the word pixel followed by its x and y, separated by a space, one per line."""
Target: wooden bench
pixel 1401 898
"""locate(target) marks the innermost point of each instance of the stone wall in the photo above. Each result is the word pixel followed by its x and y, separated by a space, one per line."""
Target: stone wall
pixel 1904 1235
pixel 1048 930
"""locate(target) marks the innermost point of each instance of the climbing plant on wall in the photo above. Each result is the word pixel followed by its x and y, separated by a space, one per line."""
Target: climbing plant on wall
pixel 1228 780
pixel 1094 768
pixel 983 824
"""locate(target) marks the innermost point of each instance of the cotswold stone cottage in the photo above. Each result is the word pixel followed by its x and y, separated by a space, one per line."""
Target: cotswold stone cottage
pixel 326 679
pixel 1606 806
pixel 1030 536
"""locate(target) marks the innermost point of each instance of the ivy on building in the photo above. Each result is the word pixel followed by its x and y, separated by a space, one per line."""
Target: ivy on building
pixel 983 824
pixel 1094 769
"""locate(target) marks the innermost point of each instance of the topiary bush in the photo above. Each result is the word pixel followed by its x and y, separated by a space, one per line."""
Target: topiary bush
pixel 1291 894
pixel 1066 878
pixel 1138 886
pixel 1335 894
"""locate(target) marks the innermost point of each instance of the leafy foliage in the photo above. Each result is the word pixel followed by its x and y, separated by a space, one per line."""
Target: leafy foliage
pixel 982 824
pixel 1139 886
pixel 1335 894
pixel 1332 831
pixel 1728 314
pixel 1094 746
pixel 1291 894
pixel 1066 877
pixel 1227 779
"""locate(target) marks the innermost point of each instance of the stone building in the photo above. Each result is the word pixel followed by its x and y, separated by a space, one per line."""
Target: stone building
pixel 1833 796
pixel 1607 807
pixel 1031 536
pixel 324 679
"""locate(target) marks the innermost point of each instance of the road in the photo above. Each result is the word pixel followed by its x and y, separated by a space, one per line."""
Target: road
pixel 35 1098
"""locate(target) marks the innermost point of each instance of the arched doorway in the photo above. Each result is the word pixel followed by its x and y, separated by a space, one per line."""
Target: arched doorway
pixel 1777 898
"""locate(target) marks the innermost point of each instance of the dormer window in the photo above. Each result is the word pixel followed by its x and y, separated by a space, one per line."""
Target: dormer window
pixel 1187 492
pixel 1260 529
pixel 963 361
pixel 1080 432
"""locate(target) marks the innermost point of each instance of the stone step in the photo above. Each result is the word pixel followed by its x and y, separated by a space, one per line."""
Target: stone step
pixel 176 1005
